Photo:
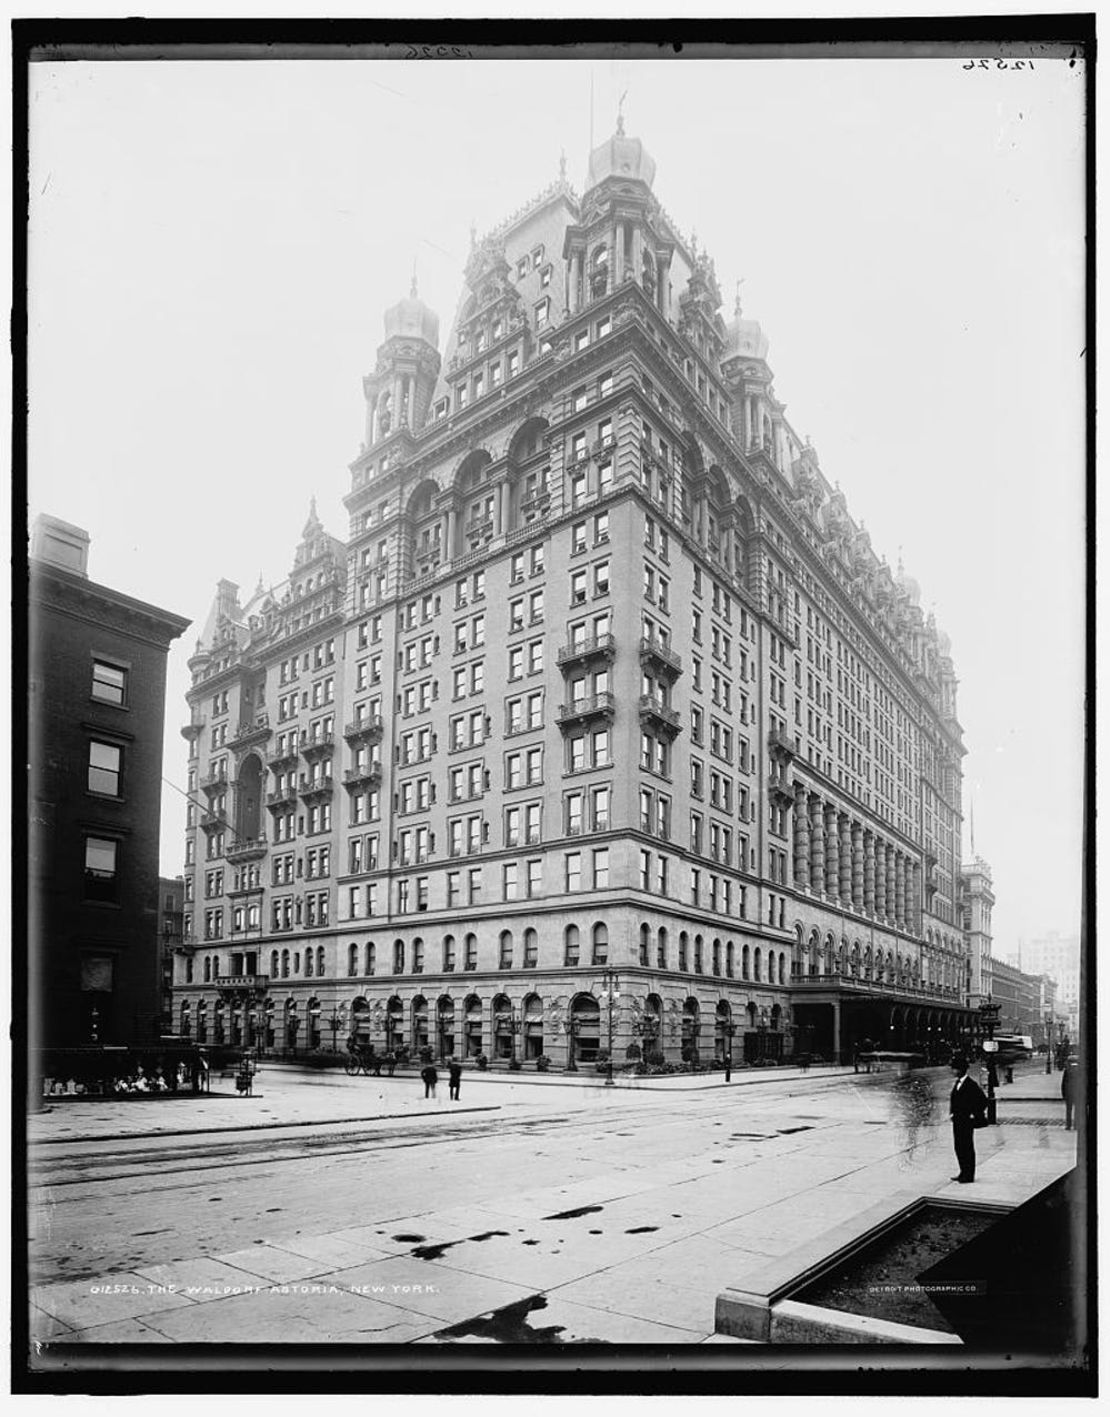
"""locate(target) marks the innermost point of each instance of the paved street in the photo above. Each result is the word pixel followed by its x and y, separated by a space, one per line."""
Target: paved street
pixel 331 1209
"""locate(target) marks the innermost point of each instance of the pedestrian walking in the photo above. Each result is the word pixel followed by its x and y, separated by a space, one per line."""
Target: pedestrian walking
pixel 1068 1080
pixel 967 1108
pixel 390 1062
pixel 454 1079
pixel 431 1077
pixel 728 1067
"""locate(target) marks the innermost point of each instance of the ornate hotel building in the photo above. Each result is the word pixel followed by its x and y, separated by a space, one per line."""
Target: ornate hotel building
pixel 603 725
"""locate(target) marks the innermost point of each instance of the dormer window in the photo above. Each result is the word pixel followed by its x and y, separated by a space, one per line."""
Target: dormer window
pixel 545 276
pixel 537 258
pixel 542 311
pixel 498 327
pixel 522 267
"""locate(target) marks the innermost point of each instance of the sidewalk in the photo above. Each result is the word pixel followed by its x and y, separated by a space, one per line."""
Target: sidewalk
pixel 616 1241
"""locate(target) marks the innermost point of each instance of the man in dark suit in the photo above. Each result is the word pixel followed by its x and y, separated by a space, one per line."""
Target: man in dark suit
pixel 967 1108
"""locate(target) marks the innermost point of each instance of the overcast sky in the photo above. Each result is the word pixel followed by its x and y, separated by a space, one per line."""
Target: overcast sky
pixel 213 246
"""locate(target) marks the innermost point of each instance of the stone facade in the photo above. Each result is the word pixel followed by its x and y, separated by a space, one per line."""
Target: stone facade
pixel 604 706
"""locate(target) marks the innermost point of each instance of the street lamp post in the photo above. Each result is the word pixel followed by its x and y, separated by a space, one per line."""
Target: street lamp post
pixel 610 996
pixel 570 1028
pixel 1048 1043
pixel 333 1024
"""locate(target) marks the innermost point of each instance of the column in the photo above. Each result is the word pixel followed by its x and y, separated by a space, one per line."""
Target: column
pixel 817 844
pixel 832 854
pixel 880 878
pixel 857 865
pixel 664 294
pixel 616 261
pixel 703 520
pixel 575 297
pixel 638 256
pixel 801 839
pixel 503 497
pixel 845 833
pixel 915 897
pixel 869 872
pixel 888 903
pixel 900 891
pixel 449 549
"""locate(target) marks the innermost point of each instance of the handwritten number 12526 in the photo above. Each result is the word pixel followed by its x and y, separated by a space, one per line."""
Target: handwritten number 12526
pixel 998 64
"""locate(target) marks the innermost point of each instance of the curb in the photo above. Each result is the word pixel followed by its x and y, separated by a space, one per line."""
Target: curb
pixel 254 1127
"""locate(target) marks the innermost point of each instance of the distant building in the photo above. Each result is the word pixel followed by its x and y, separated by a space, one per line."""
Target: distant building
pixel 976 902
pixel 97 697
pixel 1059 956
pixel 171 934
pixel 602 721
pixel 1026 1001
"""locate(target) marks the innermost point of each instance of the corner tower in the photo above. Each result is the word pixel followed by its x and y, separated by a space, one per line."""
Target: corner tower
pixel 399 391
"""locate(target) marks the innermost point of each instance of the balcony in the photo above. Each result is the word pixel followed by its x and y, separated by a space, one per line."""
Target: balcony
pixel 282 796
pixel 536 502
pixel 314 788
pixel 239 984
pixel 247 849
pixel 659 715
pixel 318 747
pixel 583 710
pixel 364 778
pixel 213 821
pixel 214 782
pixel 660 658
pixel 283 758
pixel 253 730
pixel 364 730
pixel 779 792
pixel 586 650
pixel 781 744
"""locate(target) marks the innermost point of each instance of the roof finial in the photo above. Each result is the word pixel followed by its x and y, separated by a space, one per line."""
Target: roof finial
pixel 620 114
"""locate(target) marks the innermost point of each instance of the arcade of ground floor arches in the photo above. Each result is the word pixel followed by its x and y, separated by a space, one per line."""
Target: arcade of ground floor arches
pixel 627 1021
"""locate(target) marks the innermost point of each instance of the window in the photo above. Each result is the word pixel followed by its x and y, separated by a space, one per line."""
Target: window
pixel 105 765
pixel 601 870
pixel 505 956
pixel 100 868
pixel 542 312
pixel 571 945
pixel 109 683
pixel 600 944
pixel 572 862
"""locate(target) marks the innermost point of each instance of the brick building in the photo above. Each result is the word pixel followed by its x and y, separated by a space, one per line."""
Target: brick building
pixel 97 700
pixel 602 721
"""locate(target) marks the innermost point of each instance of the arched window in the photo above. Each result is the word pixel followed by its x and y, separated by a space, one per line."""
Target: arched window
pixel 448 954
pixel 683 950
pixel 645 944
pixel 570 945
pixel 505 957
pixel 308 963
pixel 757 963
pixel 352 960
pixel 730 959
pixel 370 957
pixel 662 948
pixel 273 964
pixel 600 944
pixel 745 963
pixel 208 969
pixel 320 962
pixel 285 964
pixel 716 956
pixel 782 967
pixel 699 962
pixel 599 272
pixel 186 1021
pixel 531 949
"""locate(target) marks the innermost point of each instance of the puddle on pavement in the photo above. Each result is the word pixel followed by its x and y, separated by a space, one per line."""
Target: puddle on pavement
pixel 595 1232
pixel 640 1229
pixel 574 1214
pixel 433 1252
pixel 507 1325
pixel 407 1239
pixel 529 1242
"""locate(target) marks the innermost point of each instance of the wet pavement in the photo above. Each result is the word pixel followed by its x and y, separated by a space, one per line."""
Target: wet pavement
pixel 554 1214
